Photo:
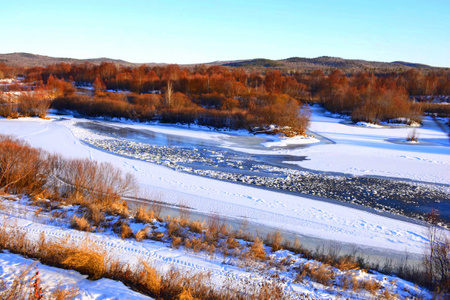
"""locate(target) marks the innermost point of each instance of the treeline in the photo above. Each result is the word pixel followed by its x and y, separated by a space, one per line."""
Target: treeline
pixel 9 72
pixel 233 97
pixel 237 81
pixel 368 98
pixel 253 113
pixel 34 100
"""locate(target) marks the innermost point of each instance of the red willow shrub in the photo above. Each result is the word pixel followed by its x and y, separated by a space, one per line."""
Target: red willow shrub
pixel 217 95
pixel 23 169
pixel 31 171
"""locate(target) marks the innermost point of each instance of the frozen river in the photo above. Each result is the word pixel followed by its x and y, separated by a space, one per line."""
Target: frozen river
pixel 266 169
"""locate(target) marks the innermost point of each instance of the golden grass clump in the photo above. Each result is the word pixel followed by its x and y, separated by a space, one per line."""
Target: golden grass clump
pixel 275 240
pixel 64 294
pixel 125 231
pixel 257 249
pixel 232 243
pixel 142 234
pixel 176 242
pixel 186 295
pixel 173 228
pixel 149 278
pixel 347 263
pixel 87 259
pixel 370 285
pixel 144 216
pixel 80 223
pixel 322 274
pixel 95 214
pixel 196 227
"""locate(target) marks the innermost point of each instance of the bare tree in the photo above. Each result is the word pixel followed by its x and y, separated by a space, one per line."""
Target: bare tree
pixel 169 94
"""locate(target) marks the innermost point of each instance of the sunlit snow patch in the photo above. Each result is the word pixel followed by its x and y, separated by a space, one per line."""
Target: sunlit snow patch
pixel 286 141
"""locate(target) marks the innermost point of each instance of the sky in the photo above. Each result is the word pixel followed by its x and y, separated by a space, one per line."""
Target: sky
pixel 190 31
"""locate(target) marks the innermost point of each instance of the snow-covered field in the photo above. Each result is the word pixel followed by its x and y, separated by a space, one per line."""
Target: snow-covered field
pixel 51 278
pixel 379 151
pixel 354 149
pixel 22 215
pixel 357 150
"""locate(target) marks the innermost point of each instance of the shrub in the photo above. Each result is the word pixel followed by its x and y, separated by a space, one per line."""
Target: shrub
pixel 125 231
pixel 23 169
pixel 413 136
pixel 80 223
pixel 86 260
pixel 176 242
pixel 144 216
pixel 33 106
pixel 149 279
pixel 436 258
pixel 8 110
pixel 370 285
pixel 275 240
pixel 196 227
pixel 100 183
pixel 142 234
pixel 257 249
pixel 320 273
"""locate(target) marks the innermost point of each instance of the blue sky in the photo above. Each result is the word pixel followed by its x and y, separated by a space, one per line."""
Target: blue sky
pixel 204 31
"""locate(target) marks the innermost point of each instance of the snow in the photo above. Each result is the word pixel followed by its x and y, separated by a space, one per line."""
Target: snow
pixel 51 277
pixel 21 215
pixel 357 150
pixel 298 140
pixel 378 151
pixel 371 125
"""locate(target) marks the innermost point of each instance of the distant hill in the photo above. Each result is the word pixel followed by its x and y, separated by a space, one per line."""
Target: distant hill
pixel 20 59
pixel 258 62
pixel 324 63
pixel 289 64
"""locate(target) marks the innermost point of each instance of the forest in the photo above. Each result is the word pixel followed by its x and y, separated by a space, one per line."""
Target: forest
pixel 227 97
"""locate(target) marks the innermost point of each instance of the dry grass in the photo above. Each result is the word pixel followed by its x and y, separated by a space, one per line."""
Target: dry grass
pixel 186 295
pixel 370 285
pixel 26 285
pixel 89 259
pixel 125 231
pixel 176 242
pixel 144 216
pixel 196 227
pixel 142 234
pixel 319 273
pixel 64 294
pixel 86 261
pixel 80 223
pixel 275 240
pixel 257 249
pixel 86 258
pixel 346 263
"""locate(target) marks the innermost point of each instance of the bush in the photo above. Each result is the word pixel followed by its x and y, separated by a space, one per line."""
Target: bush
pixel 142 234
pixel 87 259
pixel 144 216
pixel 23 169
pixel 413 136
pixel 257 249
pixel 80 223
pixel 386 105
pixel 99 183
pixel 275 240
